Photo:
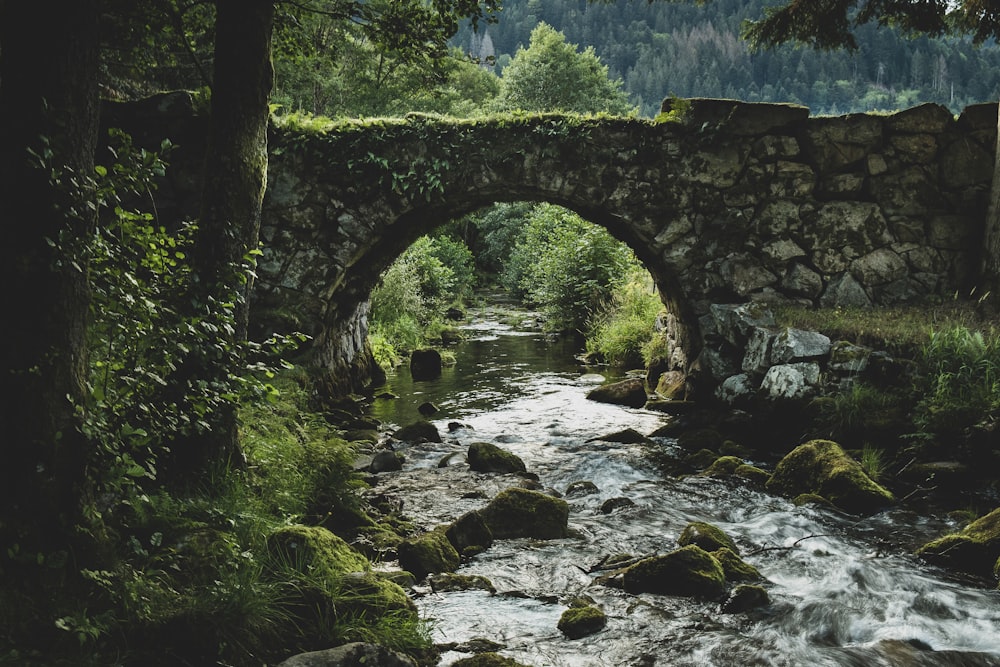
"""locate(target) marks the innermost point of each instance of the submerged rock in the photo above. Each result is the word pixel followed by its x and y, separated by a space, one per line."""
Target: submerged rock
pixel 487 457
pixel 487 660
pixel 517 512
pixel 627 436
pixel 631 393
pixel 445 582
pixel 581 488
pixel 823 468
pixel 734 567
pixel 617 503
pixel 689 571
pixel 425 364
pixel 974 549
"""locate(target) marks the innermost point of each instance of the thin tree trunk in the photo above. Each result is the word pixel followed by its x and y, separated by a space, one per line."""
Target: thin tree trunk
pixel 48 133
pixel 233 191
pixel 990 270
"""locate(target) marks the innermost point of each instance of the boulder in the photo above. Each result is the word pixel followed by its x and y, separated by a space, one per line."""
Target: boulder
pixel 706 536
pixel 356 654
pixel 427 553
pixel 628 436
pixel 427 409
pixel 974 549
pixel 487 457
pixel 689 571
pixel 581 488
pixel 631 393
pixel 723 466
pixel 487 660
pixel 425 364
pixel 418 431
pixel 469 534
pixel 517 512
pixel 791 381
pixel 616 503
pixel 385 460
pixel 446 582
pixel 821 467
pixel 581 620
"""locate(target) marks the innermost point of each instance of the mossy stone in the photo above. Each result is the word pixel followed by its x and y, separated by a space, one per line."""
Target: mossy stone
pixel 755 477
pixel 315 549
pixel 518 512
pixel 427 553
pixel 487 457
pixel 975 549
pixel 689 571
pixel 823 468
pixel 701 459
pixel 724 466
pixel 735 568
pixel 812 499
pixel 577 622
pixel 708 537
pixel 418 431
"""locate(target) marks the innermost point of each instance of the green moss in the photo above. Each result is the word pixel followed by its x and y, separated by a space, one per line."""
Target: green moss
pixel 316 550
pixel 577 622
pixel 706 536
pixel 754 476
pixel 426 553
pixel 975 549
pixel 689 571
pixel 823 468
pixel 724 466
pixel 735 568
pixel 701 459
pixel 517 512
pixel 811 499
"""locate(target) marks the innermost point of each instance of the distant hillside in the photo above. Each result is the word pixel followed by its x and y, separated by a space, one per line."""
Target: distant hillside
pixel 693 50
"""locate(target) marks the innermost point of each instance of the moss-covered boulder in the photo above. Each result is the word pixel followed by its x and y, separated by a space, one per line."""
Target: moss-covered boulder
pixel 517 512
pixel 724 466
pixel 752 476
pixel 581 620
pixel 469 534
pixel 701 459
pixel 330 577
pixel 975 549
pixel 823 468
pixel 734 567
pixel 706 536
pixel 689 571
pixel 487 457
pixel 427 553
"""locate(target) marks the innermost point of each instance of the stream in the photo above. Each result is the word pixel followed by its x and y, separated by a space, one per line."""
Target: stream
pixel 844 590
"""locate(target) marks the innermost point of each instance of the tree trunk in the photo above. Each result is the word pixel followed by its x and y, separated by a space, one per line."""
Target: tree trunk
pixel 990 270
pixel 48 133
pixel 233 191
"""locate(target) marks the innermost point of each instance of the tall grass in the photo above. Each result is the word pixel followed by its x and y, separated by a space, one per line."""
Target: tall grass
pixel 623 331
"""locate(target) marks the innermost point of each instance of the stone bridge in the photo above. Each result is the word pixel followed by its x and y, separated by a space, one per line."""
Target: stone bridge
pixel 724 202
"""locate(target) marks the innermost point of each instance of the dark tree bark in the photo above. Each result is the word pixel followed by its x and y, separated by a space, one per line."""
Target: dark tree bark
pixel 233 191
pixel 48 132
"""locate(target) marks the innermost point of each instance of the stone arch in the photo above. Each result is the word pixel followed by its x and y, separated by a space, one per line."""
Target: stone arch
pixel 732 203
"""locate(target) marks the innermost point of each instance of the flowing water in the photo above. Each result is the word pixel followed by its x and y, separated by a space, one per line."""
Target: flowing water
pixel 844 590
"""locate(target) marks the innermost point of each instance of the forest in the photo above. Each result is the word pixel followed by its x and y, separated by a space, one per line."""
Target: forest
pixel 172 491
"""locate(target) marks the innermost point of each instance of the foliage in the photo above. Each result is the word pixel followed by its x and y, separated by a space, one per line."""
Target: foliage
pixel 141 405
pixel 695 50
pixel 962 381
pixel 622 332
pixel 410 299
pixel 873 462
pixel 551 75
pixel 566 266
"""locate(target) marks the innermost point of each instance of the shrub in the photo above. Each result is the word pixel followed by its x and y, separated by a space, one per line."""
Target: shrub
pixel 623 331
